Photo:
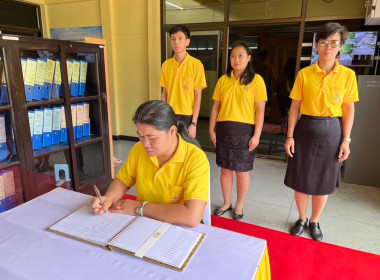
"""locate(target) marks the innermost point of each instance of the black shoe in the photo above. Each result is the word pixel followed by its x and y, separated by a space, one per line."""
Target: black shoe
pixel 238 217
pixel 219 212
pixel 298 227
pixel 315 231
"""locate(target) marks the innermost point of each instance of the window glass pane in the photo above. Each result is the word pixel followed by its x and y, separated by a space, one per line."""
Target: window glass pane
pixel 274 53
pixel 261 9
pixel 194 11
pixel 318 8
pixel 90 162
pixel 83 74
pixel 18 14
pixel 53 171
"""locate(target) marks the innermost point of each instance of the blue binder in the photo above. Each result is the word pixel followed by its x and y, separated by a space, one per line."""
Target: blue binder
pixel 79 120
pixel 4 94
pixel 3 140
pixel 2 205
pixel 69 64
pixel 74 118
pixel 9 187
pixel 57 81
pixel 47 128
pixel 63 126
pixel 74 89
pixel 86 119
pixel 82 78
pixel 2 194
pixel 39 79
pixel 49 76
pixel 30 76
pixel 37 129
pixel 31 122
pixel 57 115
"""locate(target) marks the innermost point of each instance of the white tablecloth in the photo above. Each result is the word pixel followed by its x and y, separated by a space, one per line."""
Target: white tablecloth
pixel 28 251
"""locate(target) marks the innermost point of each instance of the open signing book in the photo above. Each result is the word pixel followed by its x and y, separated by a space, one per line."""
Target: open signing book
pixel 162 243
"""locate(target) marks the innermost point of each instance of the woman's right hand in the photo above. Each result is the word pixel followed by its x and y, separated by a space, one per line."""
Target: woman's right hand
pixel 213 137
pixel 289 146
pixel 100 209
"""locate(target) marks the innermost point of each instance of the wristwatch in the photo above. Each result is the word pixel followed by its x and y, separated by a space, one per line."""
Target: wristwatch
pixel 194 123
pixel 140 209
pixel 347 139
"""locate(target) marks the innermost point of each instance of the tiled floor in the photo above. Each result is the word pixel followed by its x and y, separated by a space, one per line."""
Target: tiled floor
pixel 351 217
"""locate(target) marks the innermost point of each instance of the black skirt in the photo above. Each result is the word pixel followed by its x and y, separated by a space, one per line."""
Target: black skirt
pixel 314 168
pixel 232 141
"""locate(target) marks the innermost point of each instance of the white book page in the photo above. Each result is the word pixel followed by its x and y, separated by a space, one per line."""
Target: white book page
pixel 84 224
pixel 136 235
pixel 173 247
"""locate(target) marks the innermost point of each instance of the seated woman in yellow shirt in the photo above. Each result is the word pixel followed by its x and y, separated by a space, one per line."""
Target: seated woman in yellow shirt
pixel 169 170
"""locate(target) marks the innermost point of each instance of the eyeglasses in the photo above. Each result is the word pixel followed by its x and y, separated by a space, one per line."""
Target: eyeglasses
pixel 332 43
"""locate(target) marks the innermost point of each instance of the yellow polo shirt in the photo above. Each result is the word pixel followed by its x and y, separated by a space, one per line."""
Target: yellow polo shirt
pixel 180 81
pixel 184 177
pixel 237 102
pixel 323 95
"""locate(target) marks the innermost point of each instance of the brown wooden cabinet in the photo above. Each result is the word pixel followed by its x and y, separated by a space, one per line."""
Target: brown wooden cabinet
pixel 69 90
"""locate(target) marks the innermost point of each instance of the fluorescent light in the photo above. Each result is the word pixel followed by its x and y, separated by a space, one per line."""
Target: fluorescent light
pixel 174 5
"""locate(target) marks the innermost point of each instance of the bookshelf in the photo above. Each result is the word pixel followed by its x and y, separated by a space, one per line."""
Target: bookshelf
pixel 53 116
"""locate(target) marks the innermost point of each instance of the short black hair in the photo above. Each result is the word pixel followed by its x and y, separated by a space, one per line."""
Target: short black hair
pixel 249 73
pixel 331 28
pixel 180 28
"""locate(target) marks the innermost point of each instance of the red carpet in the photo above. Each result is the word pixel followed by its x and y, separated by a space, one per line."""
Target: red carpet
pixel 297 258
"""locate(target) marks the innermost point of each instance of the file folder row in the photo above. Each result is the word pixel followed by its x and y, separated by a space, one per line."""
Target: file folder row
pixel 7 190
pixel 43 79
pixel 48 125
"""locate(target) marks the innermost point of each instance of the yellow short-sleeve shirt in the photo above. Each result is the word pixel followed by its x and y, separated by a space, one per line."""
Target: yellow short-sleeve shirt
pixel 237 102
pixel 323 95
pixel 184 177
pixel 180 81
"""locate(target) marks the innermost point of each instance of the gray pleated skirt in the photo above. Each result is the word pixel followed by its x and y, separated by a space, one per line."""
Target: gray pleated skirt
pixel 314 168
pixel 232 141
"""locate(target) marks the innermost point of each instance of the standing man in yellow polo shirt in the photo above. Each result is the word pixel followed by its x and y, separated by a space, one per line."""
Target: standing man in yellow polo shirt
pixel 182 80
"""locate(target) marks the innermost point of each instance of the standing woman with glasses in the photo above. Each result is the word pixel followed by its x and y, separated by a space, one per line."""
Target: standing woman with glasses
pixel 316 143
pixel 238 114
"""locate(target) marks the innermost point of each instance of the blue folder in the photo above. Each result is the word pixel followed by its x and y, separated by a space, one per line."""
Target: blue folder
pixel 30 76
pixel 47 127
pixel 31 122
pixel 57 115
pixel 2 205
pixel 4 94
pixel 3 140
pixel 63 126
pixel 82 78
pixel 86 119
pixel 49 77
pixel 57 81
pixel 79 120
pixel 74 89
pixel 74 118
pixel 37 129
pixel 10 202
pixel 39 79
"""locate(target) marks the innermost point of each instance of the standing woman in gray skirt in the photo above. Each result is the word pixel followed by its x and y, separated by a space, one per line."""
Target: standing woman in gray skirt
pixel 238 115
pixel 316 143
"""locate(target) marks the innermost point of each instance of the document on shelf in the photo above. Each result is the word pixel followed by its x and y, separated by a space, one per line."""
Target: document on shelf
pixel 39 79
pixel 30 76
pixel 49 75
pixel 162 243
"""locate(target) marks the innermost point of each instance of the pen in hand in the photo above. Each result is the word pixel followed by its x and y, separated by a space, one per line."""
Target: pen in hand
pixel 98 194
